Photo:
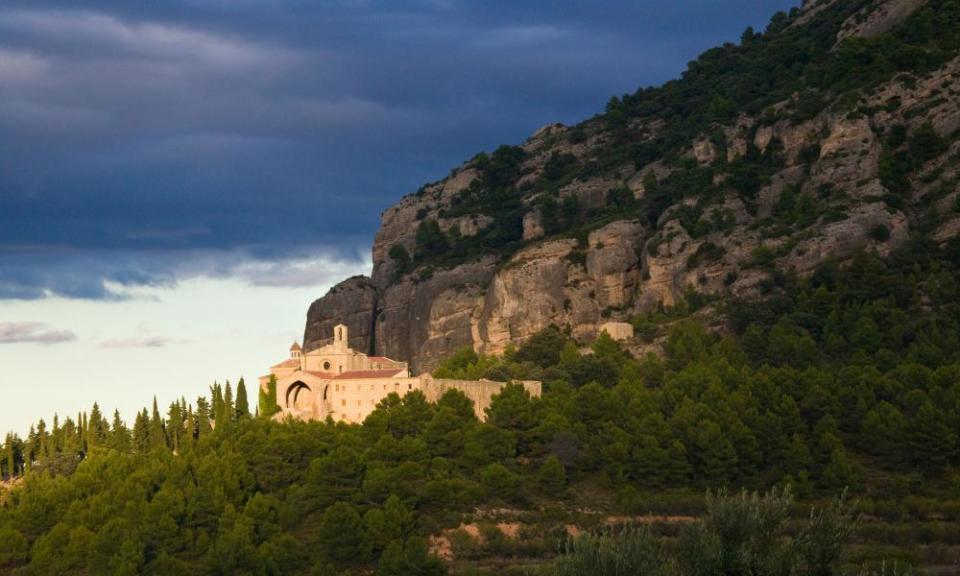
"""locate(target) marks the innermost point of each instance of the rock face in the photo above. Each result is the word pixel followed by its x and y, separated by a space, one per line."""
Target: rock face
pixel 352 302
pixel 591 240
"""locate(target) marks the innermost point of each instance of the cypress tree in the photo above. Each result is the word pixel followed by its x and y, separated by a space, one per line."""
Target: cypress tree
pixel 157 435
pixel 176 417
pixel 217 404
pixel 228 407
pixel 189 423
pixel 11 461
pixel 30 449
pixel 84 433
pixel 141 432
pixel 243 405
pixel 268 399
pixel 56 436
pixel 41 442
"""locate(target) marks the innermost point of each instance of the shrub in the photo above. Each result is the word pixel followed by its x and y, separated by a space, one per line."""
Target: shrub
pixel 763 256
pixel 431 241
pixel 629 551
pixel 401 258
pixel 551 476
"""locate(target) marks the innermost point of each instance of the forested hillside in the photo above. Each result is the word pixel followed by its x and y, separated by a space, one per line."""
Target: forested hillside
pixel 847 379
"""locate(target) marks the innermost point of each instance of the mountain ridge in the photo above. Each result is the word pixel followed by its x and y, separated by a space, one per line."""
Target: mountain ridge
pixel 833 131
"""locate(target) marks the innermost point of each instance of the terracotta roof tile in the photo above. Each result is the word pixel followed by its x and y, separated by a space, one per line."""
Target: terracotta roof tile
pixel 357 374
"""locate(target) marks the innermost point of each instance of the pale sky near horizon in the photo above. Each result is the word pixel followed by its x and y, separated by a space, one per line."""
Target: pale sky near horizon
pixel 168 341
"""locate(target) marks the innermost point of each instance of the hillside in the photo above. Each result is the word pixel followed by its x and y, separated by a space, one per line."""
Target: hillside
pixel 781 227
pixel 833 131
pixel 837 382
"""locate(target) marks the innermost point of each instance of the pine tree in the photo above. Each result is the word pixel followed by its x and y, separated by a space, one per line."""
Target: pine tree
pixel 930 439
pixel 678 470
pixel 72 443
pixel 243 405
pixel 119 434
pixel 96 427
pixel 715 456
pixel 551 476
pixel 202 417
pixel 650 461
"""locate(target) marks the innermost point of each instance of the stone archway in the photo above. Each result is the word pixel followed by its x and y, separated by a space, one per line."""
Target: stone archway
pixel 299 396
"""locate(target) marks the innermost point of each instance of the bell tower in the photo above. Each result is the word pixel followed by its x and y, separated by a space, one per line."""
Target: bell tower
pixel 340 338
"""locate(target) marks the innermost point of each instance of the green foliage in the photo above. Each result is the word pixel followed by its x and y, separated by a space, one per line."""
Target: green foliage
pixel 624 552
pixel 750 534
pixel 430 240
pixel 401 259
pixel 738 534
pixel 552 477
pixel 342 533
pixel 903 155
pixel 543 348
pixel 267 406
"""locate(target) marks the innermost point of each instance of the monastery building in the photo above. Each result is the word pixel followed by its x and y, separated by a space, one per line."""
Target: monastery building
pixel 347 385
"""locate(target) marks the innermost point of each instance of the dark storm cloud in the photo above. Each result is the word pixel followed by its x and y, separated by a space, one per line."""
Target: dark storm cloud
pixel 276 127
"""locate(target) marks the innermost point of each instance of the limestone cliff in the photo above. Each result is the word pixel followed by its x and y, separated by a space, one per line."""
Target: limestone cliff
pixel 708 184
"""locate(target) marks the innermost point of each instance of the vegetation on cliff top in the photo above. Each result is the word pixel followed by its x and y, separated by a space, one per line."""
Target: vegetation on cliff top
pixel 790 71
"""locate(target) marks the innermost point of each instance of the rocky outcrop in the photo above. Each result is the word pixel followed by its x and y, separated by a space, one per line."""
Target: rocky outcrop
pixel 353 303
pixel 816 189
pixel 421 318
pixel 877 18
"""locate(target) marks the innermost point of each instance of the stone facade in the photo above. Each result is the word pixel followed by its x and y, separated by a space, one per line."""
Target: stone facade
pixel 336 381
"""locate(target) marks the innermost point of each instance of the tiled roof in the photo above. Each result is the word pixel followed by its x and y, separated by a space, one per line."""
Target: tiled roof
pixel 355 374
pixel 287 363
pixel 358 374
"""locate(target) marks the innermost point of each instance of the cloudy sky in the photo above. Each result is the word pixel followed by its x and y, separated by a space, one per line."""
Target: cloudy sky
pixel 179 179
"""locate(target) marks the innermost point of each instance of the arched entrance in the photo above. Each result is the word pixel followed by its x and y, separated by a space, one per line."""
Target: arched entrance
pixel 299 397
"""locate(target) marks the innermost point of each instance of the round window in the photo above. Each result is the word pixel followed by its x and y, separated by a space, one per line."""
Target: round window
pixel 326 365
